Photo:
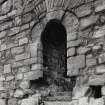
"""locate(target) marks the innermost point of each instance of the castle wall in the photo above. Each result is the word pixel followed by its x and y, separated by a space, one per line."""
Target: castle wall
pixel 21 49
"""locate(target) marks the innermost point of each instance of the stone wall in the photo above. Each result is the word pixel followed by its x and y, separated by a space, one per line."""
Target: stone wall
pixel 21 57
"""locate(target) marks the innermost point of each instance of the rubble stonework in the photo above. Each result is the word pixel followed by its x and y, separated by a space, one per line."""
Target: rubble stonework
pixel 21 51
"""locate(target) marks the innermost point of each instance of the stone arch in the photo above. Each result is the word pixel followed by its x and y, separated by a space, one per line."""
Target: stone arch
pixel 54 49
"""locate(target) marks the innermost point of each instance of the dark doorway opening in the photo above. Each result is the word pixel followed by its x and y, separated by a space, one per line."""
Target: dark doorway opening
pixel 96 91
pixel 54 51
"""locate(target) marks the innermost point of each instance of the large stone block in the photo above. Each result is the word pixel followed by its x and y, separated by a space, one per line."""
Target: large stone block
pixel 2 102
pixel 88 21
pixel 70 52
pixel 99 33
pixel 7 68
pixel 80 92
pixel 95 80
pixel 83 50
pixel 19 93
pixel 99 5
pixel 30 101
pixel 100 69
pixel 74 63
pixel 74 43
pixel 32 75
pixel 17 50
pixel 12 101
pixel 25 84
pixel 83 10
pixel 91 61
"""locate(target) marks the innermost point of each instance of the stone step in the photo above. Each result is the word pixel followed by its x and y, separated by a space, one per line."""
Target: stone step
pixel 57 103
pixel 58 98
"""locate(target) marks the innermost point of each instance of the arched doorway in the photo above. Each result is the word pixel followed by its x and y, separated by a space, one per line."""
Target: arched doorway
pixel 54 50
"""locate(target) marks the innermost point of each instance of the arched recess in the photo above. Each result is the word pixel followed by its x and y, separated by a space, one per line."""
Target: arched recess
pixel 54 41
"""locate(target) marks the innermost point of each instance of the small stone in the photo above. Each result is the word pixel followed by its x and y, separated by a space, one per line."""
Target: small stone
pixel 13 31
pixel 96 80
pixel 23 41
pixel 73 43
pixel 6 6
pixel 32 75
pixel 83 10
pixel 88 21
pixel 91 61
pixel 83 101
pixel 3 47
pixel 99 5
pixel 83 50
pixel 18 94
pixel 22 56
pixel 2 102
pixel 30 101
pixel 103 90
pixel 96 47
pixel 99 33
pixel 7 68
pixel 9 78
pixel 19 76
pixel 36 67
pixel 25 85
pixel 80 92
pixel 74 64
pixel 100 69
pixel 17 50
pixel 101 58
pixel 12 101
pixel 71 36
pixel 2 34
pixel 70 52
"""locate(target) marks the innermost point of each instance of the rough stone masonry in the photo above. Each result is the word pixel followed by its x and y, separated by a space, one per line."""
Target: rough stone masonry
pixel 24 80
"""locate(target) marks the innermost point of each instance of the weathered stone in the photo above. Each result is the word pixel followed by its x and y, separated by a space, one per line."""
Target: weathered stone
pixel 70 52
pixel 34 49
pixel 12 101
pixel 2 34
pixel 83 10
pixel 96 47
pixel 19 76
pixel 23 41
pixel 18 94
pixel 32 75
pixel 14 31
pixel 99 33
pixel 83 101
pixel 36 67
pixel 99 6
pixel 88 21
pixel 9 78
pixel 100 69
pixel 25 85
pixel 17 50
pixel 71 35
pixel 22 56
pixel 6 6
pixel 2 102
pixel 91 61
pixel 95 80
pixel 7 68
pixel 27 18
pixel 101 58
pixel 83 50
pixel 80 92
pixel 103 90
pixel 73 43
pixel 98 101
pixel 55 14
pixel 30 101
pixel 73 64
pixel 3 47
